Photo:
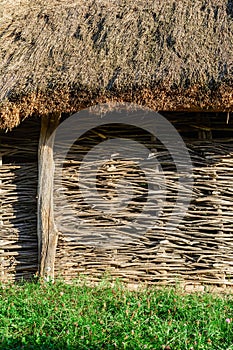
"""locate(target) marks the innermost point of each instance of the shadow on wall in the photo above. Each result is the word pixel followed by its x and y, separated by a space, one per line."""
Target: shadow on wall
pixel 18 235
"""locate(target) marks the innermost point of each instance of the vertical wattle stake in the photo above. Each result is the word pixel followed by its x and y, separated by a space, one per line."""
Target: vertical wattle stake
pixel 46 229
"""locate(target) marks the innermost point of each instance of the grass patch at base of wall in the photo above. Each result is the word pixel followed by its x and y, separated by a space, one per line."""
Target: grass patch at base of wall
pixel 109 316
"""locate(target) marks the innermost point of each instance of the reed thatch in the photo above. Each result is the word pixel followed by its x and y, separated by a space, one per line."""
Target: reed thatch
pixel 63 55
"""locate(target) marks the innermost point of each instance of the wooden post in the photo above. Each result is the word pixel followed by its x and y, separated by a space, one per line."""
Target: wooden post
pixel 46 229
pixel 1 221
pixel 2 271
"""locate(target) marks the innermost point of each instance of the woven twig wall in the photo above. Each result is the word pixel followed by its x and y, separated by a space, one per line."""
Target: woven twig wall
pixel 93 242
pixel 18 247
pixel 18 189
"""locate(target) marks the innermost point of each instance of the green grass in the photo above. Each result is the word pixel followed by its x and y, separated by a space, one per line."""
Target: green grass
pixel 61 316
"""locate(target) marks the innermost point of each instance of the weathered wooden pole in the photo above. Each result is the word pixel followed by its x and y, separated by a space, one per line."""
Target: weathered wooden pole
pixel 2 271
pixel 1 221
pixel 46 228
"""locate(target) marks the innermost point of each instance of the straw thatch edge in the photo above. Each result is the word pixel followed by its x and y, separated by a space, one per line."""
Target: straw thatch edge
pixel 192 99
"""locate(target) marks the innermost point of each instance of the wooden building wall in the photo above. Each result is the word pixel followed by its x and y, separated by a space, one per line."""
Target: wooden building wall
pixel 199 250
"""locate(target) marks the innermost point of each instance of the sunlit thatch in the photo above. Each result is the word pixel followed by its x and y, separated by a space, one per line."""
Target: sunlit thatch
pixel 63 55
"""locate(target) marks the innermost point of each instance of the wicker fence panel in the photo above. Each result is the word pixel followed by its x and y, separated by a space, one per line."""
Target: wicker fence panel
pixel 18 189
pixel 18 239
pixel 199 249
pixel 93 243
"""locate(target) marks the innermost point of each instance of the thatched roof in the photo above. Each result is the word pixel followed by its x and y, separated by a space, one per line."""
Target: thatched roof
pixel 61 55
